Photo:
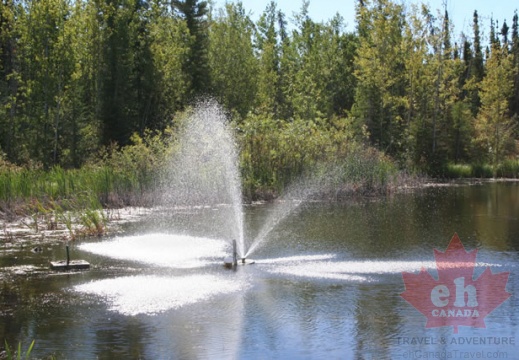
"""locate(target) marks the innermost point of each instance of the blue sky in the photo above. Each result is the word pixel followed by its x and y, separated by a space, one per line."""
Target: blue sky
pixel 460 11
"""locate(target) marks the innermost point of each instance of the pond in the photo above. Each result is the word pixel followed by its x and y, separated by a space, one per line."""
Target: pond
pixel 325 282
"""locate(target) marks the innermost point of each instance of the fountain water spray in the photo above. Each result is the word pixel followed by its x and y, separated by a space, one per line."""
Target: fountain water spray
pixel 205 171
pixel 295 195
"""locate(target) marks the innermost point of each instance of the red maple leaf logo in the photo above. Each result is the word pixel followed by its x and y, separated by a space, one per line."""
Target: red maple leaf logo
pixel 455 298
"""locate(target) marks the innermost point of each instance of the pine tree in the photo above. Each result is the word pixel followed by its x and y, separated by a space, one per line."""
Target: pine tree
pixel 476 68
pixel 127 79
pixel 380 96
pixel 194 13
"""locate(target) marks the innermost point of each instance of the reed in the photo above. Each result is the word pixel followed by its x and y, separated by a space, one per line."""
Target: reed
pixel 507 169
pixel 93 223
pixel 459 171
pixel 11 354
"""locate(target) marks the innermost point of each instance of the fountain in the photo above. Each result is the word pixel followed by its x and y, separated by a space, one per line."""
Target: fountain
pixel 203 177
pixel 230 262
pixel 204 171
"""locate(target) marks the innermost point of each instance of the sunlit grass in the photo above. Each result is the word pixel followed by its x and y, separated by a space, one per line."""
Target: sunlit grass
pixel 507 169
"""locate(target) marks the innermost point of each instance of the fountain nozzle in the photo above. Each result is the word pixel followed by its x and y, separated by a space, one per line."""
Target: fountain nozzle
pixel 243 260
pixel 234 253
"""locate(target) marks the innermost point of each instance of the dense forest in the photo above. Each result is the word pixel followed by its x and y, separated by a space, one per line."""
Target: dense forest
pixel 79 76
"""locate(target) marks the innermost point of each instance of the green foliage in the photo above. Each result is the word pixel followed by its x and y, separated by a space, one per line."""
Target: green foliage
pixel 93 222
pixel 232 61
pixel 459 171
pixel 509 169
pixel 196 66
pixel 275 153
pixel 120 177
pixel 99 85
pixel 494 127
pixel 17 355
pixel 380 95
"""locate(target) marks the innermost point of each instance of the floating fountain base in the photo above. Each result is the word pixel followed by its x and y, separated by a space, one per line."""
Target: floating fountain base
pixel 70 265
pixel 229 263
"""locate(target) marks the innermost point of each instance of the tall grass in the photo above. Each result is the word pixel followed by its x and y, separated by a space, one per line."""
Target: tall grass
pixel 118 177
pixel 507 169
pixel 88 184
pixel 11 354
pixel 273 154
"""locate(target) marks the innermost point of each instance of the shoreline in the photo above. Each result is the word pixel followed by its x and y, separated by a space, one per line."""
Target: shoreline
pixel 59 227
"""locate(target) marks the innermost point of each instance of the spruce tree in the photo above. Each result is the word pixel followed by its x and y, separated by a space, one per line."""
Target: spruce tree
pixel 194 13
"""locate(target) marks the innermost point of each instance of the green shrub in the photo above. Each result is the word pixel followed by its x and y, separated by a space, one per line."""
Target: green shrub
pixel 509 169
pixel 459 171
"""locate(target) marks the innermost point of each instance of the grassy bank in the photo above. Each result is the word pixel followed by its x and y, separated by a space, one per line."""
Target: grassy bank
pixel 507 169
pixel 273 154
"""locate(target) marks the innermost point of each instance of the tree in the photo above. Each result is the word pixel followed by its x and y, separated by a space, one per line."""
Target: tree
pixel 514 101
pixel 194 13
pixel 232 61
pixel 127 77
pixel 80 128
pixel 9 77
pixel 341 82
pixel 269 95
pixel 170 48
pixel 380 96
pixel 476 68
pixel 45 71
pixel 308 68
pixel 494 126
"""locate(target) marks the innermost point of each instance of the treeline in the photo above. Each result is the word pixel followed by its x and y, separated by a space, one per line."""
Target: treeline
pixel 77 76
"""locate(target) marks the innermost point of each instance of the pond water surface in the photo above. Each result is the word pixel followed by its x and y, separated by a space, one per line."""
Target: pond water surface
pixel 326 282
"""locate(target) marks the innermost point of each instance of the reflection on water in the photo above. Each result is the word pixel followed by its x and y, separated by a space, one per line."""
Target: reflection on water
pixel 350 270
pixel 327 283
pixel 132 295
